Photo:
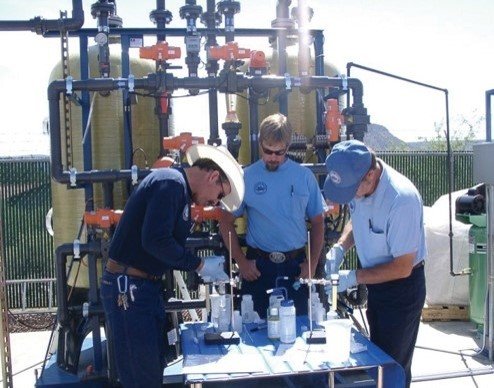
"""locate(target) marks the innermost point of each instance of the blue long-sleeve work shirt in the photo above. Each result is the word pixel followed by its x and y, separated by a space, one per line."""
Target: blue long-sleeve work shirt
pixel 155 224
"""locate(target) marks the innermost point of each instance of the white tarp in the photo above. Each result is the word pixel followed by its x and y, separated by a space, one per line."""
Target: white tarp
pixel 442 288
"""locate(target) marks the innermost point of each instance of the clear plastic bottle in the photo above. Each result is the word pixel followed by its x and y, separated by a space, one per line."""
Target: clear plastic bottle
pixel 288 326
pixel 273 323
pixel 247 309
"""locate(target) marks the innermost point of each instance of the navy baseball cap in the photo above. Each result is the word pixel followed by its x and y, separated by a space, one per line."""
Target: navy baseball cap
pixel 347 164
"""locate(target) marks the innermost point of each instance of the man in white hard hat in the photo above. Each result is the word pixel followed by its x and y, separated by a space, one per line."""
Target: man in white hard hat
pixel 149 240
pixel 387 229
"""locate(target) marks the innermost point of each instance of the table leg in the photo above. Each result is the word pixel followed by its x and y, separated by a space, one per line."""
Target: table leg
pixel 379 376
pixel 331 379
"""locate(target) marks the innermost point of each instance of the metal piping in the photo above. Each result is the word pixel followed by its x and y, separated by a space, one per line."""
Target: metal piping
pixel 448 151
pixel 451 375
pixel 41 26
pixel 284 23
pixel 488 118
pixel 61 254
pixel 211 19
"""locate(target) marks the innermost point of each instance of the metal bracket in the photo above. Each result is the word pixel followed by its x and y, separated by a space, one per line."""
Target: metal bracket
pixel 133 171
pixel 77 249
pixel 68 84
pixel 73 178
pixel 288 81
pixel 130 82
pixel 344 82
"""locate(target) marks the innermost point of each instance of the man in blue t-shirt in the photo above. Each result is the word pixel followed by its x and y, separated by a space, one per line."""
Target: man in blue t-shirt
pixel 280 196
pixel 387 229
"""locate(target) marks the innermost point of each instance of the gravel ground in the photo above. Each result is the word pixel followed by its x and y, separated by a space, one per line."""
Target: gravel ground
pixel 26 322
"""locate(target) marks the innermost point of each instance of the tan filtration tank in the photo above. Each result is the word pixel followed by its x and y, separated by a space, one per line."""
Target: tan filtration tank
pixel 301 107
pixel 107 123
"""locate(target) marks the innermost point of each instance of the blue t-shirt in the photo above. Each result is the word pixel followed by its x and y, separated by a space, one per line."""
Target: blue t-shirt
pixel 277 204
pixel 155 224
pixel 390 222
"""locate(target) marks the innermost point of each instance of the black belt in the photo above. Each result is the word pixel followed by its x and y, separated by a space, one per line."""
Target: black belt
pixel 419 264
pixel 279 257
pixel 115 267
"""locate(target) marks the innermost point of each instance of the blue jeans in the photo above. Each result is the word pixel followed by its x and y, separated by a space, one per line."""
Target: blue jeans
pixel 269 272
pixel 138 333
pixel 393 312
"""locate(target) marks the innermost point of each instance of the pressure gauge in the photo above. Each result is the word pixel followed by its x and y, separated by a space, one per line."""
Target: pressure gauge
pixel 101 38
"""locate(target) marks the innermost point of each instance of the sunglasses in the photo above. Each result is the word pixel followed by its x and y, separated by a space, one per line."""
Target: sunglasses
pixel 222 194
pixel 271 152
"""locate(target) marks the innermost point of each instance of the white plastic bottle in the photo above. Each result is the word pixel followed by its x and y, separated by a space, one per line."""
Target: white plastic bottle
pixel 247 309
pixel 273 323
pixel 288 326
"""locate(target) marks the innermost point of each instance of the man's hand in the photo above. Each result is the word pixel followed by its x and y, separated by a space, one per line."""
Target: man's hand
pixel 248 269
pixel 334 258
pixel 213 270
pixel 348 279
pixel 304 270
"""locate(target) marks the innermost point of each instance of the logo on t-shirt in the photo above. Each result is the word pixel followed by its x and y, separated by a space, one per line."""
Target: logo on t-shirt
pixel 260 188
pixel 185 213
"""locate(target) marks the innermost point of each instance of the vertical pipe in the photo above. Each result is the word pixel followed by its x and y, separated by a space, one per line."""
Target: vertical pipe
pixel 254 127
pixel 488 133
pixel 127 107
pixel 87 153
pixel 283 22
pixel 212 68
pixel 319 71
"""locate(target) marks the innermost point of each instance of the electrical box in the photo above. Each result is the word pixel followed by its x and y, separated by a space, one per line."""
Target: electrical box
pixel 483 160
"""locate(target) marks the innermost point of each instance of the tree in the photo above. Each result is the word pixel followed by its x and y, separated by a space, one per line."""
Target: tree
pixel 461 137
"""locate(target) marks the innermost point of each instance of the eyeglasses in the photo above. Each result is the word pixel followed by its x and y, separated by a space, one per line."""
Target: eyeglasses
pixel 277 152
pixel 221 194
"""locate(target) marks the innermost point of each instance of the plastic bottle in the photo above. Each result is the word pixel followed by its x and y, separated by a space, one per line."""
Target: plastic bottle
pixel 276 297
pixel 288 327
pixel 273 323
pixel 247 309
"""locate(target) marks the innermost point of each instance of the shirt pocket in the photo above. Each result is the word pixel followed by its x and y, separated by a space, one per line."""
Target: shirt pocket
pixel 294 205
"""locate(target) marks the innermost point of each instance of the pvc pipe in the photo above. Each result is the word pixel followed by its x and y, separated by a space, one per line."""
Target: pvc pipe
pixel 41 26
pixel 225 82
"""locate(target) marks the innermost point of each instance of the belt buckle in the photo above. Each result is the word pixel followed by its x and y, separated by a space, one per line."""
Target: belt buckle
pixel 277 257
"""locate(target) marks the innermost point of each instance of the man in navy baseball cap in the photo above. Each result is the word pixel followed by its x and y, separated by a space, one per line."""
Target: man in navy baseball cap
pixel 347 165
pixel 387 230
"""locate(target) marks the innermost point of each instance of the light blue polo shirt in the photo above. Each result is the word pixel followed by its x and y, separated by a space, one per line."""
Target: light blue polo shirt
pixel 390 222
pixel 277 204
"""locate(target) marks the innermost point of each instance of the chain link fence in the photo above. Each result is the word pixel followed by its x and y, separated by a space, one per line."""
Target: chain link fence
pixel 25 199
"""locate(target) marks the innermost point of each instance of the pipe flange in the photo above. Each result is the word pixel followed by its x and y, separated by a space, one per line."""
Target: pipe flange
pixel 160 16
pixel 190 11
pixel 207 18
pixel 298 15
pixel 283 23
pixel 99 8
pixel 228 7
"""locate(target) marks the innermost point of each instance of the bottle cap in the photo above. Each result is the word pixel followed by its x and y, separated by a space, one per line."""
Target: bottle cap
pixel 247 297
pixel 331 315
pixel 287 303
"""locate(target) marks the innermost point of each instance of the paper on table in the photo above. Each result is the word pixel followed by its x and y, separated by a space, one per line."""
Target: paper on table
pixel 226 363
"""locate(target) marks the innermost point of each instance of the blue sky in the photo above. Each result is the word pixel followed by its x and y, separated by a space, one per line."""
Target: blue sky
pixel 447 43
